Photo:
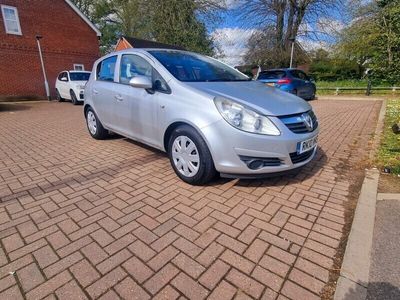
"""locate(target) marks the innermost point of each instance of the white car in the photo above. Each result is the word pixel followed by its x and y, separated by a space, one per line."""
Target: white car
pixel 70 85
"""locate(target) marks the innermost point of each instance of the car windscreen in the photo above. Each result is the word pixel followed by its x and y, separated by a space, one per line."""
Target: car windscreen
pixel 272 75
pixel 191 67
pixel 79 76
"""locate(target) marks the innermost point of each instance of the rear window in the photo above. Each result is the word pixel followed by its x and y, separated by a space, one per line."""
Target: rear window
pixel 272 75
pixel 75 76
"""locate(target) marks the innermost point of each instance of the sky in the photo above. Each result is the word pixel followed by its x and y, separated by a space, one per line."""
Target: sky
pixel 231 36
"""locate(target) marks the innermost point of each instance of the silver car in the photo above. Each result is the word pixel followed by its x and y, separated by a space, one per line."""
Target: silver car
pixel 207 116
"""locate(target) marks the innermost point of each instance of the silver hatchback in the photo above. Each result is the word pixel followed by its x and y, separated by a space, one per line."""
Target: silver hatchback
pixel 207 116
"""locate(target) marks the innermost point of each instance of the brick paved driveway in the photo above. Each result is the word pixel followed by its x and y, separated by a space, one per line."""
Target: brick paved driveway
pixel 81 218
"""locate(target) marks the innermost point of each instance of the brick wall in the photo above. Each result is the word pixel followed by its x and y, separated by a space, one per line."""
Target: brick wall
pixel 67 40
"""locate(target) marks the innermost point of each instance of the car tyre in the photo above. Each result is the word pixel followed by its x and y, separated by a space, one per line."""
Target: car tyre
pixel 74 100
pixel 190 157
pixel 58 96
pixel 94 125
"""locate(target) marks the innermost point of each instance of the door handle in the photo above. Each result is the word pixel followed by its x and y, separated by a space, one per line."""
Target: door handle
pixel 95 92
pixel 118 97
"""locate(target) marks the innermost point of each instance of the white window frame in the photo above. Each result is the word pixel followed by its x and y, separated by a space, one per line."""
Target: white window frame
pixel 82 66
pixel 5 21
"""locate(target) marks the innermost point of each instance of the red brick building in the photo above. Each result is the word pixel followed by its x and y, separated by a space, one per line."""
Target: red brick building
pixel 69 40
pixel 126 42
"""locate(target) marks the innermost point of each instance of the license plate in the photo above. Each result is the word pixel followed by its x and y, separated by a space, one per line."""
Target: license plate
pixel 270 84
pixel 307 145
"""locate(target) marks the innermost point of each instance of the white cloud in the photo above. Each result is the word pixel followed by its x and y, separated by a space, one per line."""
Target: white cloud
pixel 310 45
pixel 232 4
pixel 330 26
pixel 233 43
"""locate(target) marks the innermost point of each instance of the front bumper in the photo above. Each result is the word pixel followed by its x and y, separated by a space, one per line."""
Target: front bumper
pixel 231 149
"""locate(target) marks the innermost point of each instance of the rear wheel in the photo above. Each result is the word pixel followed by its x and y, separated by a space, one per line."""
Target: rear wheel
pixel 58 96
pixel 74 100
pixel 94 125
pixel 190 157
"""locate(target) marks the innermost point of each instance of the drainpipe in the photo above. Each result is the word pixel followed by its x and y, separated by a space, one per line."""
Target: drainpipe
pixel 46 83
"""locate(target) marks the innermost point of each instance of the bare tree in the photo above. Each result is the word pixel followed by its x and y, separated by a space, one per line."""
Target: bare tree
pixel 282 20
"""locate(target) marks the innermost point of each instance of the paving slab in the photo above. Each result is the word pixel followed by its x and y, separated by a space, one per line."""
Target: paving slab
pixel 81 215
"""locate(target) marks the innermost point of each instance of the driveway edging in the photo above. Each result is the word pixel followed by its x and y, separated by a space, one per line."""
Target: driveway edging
pixel 354 275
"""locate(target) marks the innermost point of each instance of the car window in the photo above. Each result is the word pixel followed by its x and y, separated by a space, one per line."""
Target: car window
pixel 63 75
pixel 106 68
pixel 299 74
pixel 192 67
pixel 79 76
pixel 303 75
pixel 133 65
pixel 278 74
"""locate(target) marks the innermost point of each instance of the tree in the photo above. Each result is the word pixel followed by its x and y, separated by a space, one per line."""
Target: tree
pixel 179 22
pixel 281 21
pixel 373 39
pixel 175 22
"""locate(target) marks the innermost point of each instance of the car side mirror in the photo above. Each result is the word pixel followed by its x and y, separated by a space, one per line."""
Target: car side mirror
pixel 64 79
pixel 142 82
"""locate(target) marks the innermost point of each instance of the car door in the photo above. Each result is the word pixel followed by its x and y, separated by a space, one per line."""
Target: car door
pixel 299 82
pixel 309 87
pixel 137 109
pixel 103 93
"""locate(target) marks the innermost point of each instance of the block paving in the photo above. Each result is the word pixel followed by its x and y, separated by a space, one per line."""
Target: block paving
pixel 87 219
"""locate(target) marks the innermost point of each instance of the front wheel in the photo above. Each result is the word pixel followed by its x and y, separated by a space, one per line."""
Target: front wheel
pixel 74 100
pixel 190 157
pixel 94 126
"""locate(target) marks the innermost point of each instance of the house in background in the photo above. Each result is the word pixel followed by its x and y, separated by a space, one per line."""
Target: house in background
pixel 129 42
pixel 69 41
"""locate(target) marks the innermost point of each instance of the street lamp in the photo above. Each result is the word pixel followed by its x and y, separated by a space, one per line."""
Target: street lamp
pixel 292 52
pixel 46 84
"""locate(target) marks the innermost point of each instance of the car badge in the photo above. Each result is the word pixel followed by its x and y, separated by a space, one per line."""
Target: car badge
pixel 307 120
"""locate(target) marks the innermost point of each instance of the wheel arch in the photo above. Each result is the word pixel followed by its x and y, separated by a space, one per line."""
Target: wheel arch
pixel 176 124
pixel 85 108
pixel 169 130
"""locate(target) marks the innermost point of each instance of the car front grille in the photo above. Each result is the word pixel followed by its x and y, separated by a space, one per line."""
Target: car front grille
pixel 297 124
pixel 298 158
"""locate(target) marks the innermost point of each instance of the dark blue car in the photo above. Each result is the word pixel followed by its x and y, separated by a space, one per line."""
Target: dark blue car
pixel 290 80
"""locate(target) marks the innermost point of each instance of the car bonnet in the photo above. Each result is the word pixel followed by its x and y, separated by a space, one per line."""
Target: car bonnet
pixel 266 100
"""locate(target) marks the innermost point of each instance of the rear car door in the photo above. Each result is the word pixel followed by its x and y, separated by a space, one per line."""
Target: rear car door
pixel 103 91
pixel 309 87
pixel 298 82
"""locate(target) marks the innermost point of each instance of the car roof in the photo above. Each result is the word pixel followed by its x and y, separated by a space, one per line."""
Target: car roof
pixel 77 71
pixel 145 51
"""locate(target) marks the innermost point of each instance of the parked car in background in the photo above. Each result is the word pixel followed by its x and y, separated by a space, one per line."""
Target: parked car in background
pixel 70 85
pixel 293 81
pixel 207 116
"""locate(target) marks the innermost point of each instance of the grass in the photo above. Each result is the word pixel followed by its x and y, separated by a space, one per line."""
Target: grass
pixel 353 83
pixel 389 150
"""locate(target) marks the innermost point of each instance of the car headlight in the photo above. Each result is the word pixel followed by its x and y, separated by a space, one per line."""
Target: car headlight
pixel 81 87
pixel 244 118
